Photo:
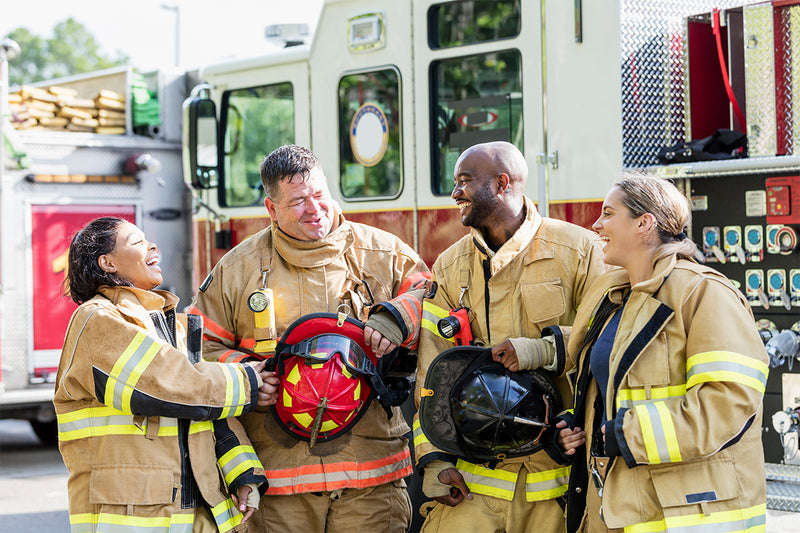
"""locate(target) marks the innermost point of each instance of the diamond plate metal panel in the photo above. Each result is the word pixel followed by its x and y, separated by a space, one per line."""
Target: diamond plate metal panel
pixel 652 74
pixel 787 88
pixel 759 64
pixel 783 487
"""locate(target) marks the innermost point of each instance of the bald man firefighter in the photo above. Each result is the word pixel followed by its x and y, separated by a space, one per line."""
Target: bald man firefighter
pixel 515 277
pixel 311 260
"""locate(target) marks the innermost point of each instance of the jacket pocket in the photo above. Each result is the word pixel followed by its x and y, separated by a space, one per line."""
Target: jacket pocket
pixel 544 302
pixel 131 485
pixel 697 482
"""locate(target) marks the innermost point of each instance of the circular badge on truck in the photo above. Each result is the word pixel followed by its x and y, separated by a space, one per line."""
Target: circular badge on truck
pixel 257 301
pixel 369 135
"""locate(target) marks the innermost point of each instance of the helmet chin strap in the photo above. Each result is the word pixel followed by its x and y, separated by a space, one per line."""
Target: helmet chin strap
pixel 321 407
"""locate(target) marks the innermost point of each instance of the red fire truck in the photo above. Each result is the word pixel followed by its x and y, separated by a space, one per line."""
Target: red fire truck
pixel 54 181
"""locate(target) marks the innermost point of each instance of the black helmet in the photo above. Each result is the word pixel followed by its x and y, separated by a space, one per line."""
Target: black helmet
pixel 475 408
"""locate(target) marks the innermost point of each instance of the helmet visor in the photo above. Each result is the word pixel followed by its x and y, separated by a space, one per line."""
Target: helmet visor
pixel 322 348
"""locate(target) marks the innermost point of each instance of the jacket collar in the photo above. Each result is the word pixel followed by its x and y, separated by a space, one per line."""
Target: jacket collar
pixel 137 303
pixel 312 254
pixel 513 246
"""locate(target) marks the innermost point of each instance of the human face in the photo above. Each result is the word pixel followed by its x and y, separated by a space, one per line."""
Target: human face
pixel 473 190
pixel 619 229
pixel 133 258
pixel 302 208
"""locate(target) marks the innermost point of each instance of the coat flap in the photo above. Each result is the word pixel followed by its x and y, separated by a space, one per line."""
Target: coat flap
pixel 694 483
pixel 131 484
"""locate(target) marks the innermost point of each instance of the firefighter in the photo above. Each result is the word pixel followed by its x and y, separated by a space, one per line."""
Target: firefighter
pixel 514 276
pixel 141 417
pixel 312 260
pixel 670 378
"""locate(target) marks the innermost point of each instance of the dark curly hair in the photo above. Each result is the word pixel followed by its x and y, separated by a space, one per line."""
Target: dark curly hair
pixel 84 275
pixel 285 162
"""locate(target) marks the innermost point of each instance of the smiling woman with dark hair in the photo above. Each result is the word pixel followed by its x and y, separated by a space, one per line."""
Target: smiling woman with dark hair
pixel 142 419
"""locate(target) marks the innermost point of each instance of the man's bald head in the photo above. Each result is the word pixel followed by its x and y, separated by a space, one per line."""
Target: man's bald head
pixel 505 159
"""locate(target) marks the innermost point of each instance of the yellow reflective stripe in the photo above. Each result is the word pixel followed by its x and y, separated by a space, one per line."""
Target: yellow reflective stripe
pixel 658 433
pixel 481 480
pixel 547 485
pixel 128 369
pixel 726 366
pixel 115 523
pixel 750 520
pixel 199 427
pixel 630 397
pixel 430 318
pixel 419 436
pixel 238 460
pixel 101 421
pixel 234 391
pixel 226 515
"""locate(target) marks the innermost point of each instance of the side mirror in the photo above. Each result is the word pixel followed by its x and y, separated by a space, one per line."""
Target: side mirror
pixel 200 133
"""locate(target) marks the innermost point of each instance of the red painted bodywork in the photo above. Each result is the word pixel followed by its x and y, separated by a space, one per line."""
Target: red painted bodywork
pixel 437 229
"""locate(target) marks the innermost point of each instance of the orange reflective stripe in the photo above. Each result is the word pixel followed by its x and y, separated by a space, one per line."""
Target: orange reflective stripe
pixel 413 281
pixel 247 344
pixel 412 307
pixel 212 326
pixel 334 476
pixel 232 356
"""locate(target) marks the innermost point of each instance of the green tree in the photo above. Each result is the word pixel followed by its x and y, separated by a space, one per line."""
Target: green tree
pixel 71 50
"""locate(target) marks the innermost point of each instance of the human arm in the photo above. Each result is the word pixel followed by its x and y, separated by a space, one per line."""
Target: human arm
pixel 444 483
pixel 240 466
pixel 139 374
pixel 524 353
pixel 570 439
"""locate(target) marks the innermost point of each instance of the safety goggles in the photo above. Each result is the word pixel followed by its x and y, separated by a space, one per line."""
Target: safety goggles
pixel 322 348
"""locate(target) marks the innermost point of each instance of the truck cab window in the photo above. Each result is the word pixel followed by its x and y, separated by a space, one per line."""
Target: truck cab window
pixel 370 153
pixel 475 99
pixel 255 121
pixel 474 21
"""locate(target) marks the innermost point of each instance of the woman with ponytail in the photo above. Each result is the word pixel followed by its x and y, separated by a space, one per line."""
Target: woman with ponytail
pixel 669 378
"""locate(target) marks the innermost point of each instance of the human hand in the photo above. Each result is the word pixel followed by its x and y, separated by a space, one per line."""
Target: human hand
pixel 506 354
pixel 458 487
pixel 570 439
pixel 268 392
pixel 242 501
pixel 379 344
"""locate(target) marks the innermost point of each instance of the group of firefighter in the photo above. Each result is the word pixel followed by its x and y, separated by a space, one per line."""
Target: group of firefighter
pixel 563 378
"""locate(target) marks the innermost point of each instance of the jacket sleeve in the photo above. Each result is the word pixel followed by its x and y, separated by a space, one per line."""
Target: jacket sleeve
pixel 726 374
pixel 436 305
pixel 398 318
pixel 139 374
pixel 219 321
pixel 236 457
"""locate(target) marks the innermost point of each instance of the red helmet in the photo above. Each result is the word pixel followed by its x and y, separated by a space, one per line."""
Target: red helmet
pixel 326 372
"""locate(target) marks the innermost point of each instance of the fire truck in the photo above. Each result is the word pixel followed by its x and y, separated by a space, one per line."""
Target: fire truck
pixel 52 182
pixel 388 94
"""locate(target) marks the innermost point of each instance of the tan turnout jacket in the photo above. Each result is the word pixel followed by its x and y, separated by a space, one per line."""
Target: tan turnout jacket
pixel 140 422
pixel 687 376
pixel 350 269
pixel 535 280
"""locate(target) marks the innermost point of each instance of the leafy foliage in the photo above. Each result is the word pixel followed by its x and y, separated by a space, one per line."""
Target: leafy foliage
pixel 71 50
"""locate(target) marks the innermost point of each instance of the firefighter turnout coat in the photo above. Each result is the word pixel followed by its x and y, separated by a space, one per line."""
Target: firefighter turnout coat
pixel 534 281
pixel 687 374
pixel 140 422
pixel 347 271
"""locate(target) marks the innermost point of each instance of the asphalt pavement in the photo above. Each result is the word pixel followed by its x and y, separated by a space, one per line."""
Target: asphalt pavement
pixel 33 486
pixel 33 482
